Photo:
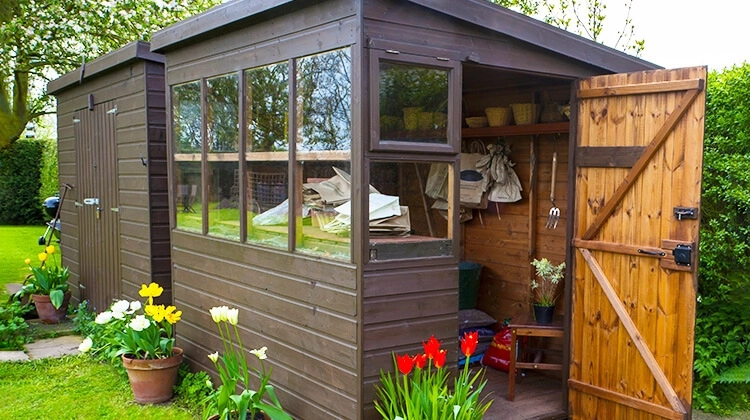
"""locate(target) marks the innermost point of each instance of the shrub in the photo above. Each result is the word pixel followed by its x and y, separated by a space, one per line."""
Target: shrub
pixel 13 328
pixel 48 172
pixel 19 183
pixel 723 312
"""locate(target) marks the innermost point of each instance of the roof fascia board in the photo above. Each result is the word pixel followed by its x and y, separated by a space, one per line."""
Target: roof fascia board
pixel 217 17
pixel 530 30
pixel 137 50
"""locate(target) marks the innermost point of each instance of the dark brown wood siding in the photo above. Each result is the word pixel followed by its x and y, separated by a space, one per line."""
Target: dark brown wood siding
pixel 402 307
pixel 303 309
pixel 136 87
pixel 405 26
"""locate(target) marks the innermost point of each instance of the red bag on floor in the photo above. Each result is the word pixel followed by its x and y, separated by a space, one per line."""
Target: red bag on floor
pixel 498 355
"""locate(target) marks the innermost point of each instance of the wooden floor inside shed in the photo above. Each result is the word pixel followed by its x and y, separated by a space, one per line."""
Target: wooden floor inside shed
pixel 538 395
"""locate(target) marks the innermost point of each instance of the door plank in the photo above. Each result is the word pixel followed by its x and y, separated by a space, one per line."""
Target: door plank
pixel 651 149
pixel 624 399
pixel 638 89
pixel 635 335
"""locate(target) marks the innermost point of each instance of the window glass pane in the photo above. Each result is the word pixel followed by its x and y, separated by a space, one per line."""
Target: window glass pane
pixel 186 111
pixel 324 153
pixel 222 128
pixel 267 111
pixel 413 103
pixel 408 214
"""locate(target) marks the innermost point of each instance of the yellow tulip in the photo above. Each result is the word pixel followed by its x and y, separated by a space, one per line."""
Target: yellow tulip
pixel 27 261
pixel 42 256
pixel 172 318
pixel 50 249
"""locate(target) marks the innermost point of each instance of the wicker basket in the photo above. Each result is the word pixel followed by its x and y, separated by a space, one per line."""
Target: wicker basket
pixel 525 114
pixel 497 117
pixel 476 122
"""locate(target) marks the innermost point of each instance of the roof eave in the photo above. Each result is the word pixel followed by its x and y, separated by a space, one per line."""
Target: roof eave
pixel 137 50
pixel 527 29
pixel 213 20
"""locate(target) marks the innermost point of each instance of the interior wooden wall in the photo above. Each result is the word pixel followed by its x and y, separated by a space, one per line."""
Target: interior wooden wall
pixel 498 237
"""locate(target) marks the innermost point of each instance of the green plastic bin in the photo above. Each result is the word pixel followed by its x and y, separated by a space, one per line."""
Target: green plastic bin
pixel 469 274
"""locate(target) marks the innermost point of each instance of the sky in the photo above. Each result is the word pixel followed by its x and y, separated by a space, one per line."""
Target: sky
pixel 684 33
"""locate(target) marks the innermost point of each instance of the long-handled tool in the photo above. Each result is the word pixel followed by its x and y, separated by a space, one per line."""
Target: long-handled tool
pixel 554 212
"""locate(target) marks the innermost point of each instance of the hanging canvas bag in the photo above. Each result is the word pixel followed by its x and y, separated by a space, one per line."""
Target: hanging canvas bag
pixel 473 185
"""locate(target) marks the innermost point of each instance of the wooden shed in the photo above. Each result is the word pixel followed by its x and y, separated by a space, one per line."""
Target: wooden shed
pixel 307 144
pixel 111 122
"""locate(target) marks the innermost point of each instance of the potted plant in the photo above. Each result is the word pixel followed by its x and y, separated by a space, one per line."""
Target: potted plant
pixel 143 337
pixel 545 292
pixel 424 392
pixel 48 287
pixel 225 403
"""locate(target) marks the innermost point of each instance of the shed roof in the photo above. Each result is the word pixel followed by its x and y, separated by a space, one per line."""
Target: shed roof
pixel 137 50
pixel 482 13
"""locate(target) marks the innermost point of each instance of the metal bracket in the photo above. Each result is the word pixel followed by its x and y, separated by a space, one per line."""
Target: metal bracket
pixel 685 213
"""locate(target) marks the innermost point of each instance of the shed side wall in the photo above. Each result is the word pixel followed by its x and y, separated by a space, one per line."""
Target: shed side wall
pixel 305 310
pixel 131 87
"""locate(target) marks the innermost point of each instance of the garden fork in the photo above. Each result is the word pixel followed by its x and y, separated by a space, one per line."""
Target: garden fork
pixel 554 212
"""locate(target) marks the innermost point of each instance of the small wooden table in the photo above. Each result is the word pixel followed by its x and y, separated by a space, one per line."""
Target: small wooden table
pixel 523 325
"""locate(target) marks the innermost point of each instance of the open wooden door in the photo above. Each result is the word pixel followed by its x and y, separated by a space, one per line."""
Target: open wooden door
pixel 638 162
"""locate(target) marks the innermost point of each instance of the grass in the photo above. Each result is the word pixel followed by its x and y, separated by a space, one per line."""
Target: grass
pixel 17 244
pixel 74 387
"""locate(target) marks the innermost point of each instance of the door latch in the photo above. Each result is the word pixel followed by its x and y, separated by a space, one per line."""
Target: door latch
pixel 685 213
pixel 91 201
pixel 683 254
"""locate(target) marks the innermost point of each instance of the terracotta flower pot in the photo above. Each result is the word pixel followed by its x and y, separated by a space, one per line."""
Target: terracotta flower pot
pixel 47 312
pixel 152 380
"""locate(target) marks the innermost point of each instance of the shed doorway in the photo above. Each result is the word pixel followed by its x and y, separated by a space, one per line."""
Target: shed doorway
pixel 98 215
pixel 506 236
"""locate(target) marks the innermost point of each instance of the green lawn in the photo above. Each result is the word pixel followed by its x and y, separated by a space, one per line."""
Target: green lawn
pixel 16 244
pixel 74 387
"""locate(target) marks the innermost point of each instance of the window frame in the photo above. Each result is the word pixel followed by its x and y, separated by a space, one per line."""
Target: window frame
pixel 453 67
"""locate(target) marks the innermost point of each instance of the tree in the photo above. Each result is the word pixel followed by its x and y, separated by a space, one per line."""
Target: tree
pixel 41 39
pixel 584 17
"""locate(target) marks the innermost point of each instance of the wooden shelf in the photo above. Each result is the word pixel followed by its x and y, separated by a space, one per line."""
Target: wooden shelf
pixel 516 130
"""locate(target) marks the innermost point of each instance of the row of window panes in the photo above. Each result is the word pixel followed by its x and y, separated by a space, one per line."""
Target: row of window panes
pixel 322 133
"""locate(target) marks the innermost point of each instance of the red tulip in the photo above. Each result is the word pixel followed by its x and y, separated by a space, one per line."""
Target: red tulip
pixel 420 360
pixel 439 360
pixel 469 343
pixel 405 363
pixel 431 347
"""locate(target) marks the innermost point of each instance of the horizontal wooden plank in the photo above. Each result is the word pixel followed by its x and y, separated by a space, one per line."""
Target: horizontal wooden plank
pixel 516 130
pixel 637 89
pixel 606 394
pixel 602 157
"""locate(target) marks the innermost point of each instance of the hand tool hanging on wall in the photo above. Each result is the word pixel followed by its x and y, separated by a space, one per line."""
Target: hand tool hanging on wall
pixel 554 212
